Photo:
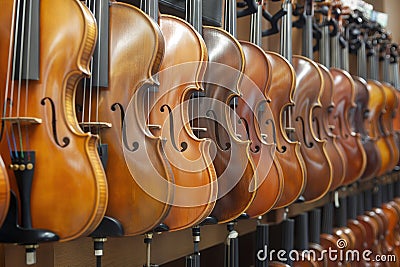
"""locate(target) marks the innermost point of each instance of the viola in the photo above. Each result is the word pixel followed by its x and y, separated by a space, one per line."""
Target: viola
pixel 233 163
pixel 181 73
pixel 40 137
pixel 281 91
pixel 253 109
pixel 118 89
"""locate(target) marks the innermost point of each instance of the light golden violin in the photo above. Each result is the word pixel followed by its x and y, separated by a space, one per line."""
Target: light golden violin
pixel 41 139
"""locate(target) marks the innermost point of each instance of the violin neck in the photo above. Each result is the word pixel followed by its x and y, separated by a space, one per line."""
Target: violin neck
pixel 352 207
pixel 230 22
pixel 256 32
pixel 150 7
pixel 362 61
pixel 286 33
pixel 100 10
pixel 394 67
pixel 194 14
pixel 373 64
pixel 26 40
pixel 308 30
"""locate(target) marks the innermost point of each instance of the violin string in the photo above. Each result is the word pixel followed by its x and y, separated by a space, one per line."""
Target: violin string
pixel 11 52
pixel 27 70
pixel 21 54
pixel 83 108
pixel 13 76
pixel 98 66
pixel 93 8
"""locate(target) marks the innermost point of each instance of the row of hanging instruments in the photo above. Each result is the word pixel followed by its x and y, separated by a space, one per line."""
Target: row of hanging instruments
pixel 119 120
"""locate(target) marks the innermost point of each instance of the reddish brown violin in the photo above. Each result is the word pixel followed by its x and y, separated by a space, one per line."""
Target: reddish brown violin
pixel 181 74
pixel 283 82
pixel 253 110
pixel 234 166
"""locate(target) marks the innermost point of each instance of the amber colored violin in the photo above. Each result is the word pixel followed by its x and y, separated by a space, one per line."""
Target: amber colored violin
pixel 139 185
pixel 41 138
pixel 234 166
pixel 253 109
pixel 181 73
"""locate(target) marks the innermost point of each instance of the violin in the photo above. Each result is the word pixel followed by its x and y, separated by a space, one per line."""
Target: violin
pixel 253 110
pixel 4 191
pixel 40 137
pixel 343 97
pixel 235 168
pixel 119 88
pixel 321 120
pixel 378 97
pixel 281 90
pixel 309 88
pixel 181 73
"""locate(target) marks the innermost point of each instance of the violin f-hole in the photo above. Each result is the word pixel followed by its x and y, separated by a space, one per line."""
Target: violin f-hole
pixel 316 121
pixel 54 122
pixel 307 144
pixel 279 149
pixel 135 144
pixel 211 114
pixel 184 145
pixel 256 148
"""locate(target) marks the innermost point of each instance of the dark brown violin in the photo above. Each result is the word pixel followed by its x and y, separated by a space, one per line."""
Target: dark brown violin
pixel 118 89
pixel 181 74
pixel 40 138
pixel 283 82
pixel 253 109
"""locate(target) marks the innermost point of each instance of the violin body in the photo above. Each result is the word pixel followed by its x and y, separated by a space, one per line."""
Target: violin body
pixel 233 163
pixel 69 190
pixel 269 172
pixel 309 86
pixel 194 174
pixel 349 142
pixel 321 128
pixel 4 192
pixel 378 98
pixel 283 82
pixel 140 195
pixel 363 121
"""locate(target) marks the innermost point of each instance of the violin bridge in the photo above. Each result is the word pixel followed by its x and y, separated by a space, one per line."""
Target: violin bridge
pixel 101 125
pixel 290 130
pixel 199 129
pixel 154 126
pixel 22 120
